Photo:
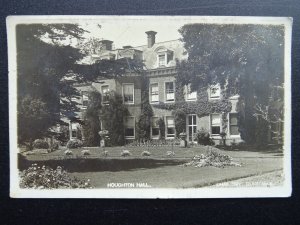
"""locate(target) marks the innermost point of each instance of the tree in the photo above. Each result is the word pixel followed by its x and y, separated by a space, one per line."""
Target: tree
pixel 245 60
pixel 91 120
pixel 112 118
pixel 48 66
pixel 42 62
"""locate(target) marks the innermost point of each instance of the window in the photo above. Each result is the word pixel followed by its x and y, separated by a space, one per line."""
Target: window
pixel 190 96
pixel 215 124
pixel 105 93
pixel 129 127
pixel 170 127
pixel 85 100
pixel 233 124
pixel 169 91
pixel 161 60
pixel 154 128
pixel 73 130
pixel 154 93
pixel 128 93
pixel 192 127
pixel 214 91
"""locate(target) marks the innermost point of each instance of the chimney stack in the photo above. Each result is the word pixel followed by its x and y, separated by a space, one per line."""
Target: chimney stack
pixel 151 38
pixel 106 45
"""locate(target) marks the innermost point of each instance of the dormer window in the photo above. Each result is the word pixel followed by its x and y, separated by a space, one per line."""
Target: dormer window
pixel 161 60
pixel 164 56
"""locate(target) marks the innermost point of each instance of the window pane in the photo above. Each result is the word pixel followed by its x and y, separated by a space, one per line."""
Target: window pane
pixel 170 91
pixel 128 92
pixel 215 119
pixel 215 130
pixel 85 103
pixel 154 121
pixel 154 92
pixel 74 132
pixel 233 119
pixel 191 95
pixel 129 122
pixel 234 130
pixel 161 60
pixel 190 120
pixel 194 119
pixel 170 121
pixel 105 89
pixel 171 131
pixel 215 91
pixel 129 132
pixel 155 131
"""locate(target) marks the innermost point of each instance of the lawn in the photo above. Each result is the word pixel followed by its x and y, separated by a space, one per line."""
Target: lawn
pixel 158 170
pixel 176 176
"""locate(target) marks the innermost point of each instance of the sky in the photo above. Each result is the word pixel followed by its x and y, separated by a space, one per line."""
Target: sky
pixel 132 32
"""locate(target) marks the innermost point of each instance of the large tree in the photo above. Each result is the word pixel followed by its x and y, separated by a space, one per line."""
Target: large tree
pixel 47 67
pixel 246 60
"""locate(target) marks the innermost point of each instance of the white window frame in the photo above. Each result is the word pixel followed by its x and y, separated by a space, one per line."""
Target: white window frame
pixel 128 103
pixel 210 89
pixel 166 127
pixel 188 125
pixel 187 93
pixel 71 131
pixel 150 93
pixel 155 137
pixel 165 91
pixel 84 94
pixel 164 54
pixel 130 137
pixel 210 123
pixel 229 131
pixel 103 93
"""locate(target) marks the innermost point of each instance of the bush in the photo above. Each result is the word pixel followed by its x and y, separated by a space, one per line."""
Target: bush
pixel 68 152
pixel 40 144
pixel 125 153
pixel 203 137
pixel 85 152
pixel 74 144
pixel 146 153
pixel 48 178
pixel 55 145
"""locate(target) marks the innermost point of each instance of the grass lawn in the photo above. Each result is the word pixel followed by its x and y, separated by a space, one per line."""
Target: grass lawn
pixel 183 177
pixel 160 173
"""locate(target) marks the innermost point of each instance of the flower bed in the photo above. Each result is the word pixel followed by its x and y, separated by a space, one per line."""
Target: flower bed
pixel 212 158
pixel 45 177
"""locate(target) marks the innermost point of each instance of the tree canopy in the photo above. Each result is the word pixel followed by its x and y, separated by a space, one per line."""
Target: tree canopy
pixel 245 59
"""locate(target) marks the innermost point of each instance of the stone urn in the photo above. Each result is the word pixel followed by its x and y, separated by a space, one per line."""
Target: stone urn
pixel 183 142
pixel 104 135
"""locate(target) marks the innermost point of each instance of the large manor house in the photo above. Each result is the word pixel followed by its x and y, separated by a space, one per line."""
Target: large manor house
pixel 160 63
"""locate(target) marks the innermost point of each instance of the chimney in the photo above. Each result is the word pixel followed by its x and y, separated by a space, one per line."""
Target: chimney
pixel 106 45
pixel 151 38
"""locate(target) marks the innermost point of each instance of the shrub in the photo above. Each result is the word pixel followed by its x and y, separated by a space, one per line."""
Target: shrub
pixel 146 153
pixel 170 153
pixel 48 178
pixel 85 152
pixel 68 152
pixel 125 153
pixel 74 144
pixel 55 145
pixel 40 144
pixel 203 137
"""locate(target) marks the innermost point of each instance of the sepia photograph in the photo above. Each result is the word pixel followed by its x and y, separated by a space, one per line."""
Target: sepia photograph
pixel 149 106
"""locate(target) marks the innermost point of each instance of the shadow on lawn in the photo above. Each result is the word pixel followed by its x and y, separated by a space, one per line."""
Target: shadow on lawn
pixel 97 165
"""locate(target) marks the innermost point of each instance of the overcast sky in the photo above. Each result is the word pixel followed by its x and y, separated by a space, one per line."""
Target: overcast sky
pixel 132 32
